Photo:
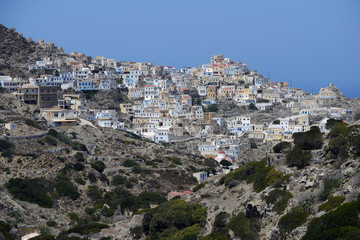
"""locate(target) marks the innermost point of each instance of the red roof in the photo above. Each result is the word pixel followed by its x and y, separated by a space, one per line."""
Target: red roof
pixel 221 152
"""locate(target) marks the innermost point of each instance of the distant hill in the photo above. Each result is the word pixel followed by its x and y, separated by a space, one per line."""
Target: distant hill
pixel 17 52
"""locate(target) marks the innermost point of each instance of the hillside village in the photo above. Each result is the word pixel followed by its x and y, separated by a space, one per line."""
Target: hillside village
pixel 164 104
pixel 124 138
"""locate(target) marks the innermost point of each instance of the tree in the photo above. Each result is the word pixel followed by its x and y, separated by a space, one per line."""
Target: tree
pixel 212 108
pixel 282 147
pixel 298 158
pixel 309 140
pixel 252 106
pixel 225 163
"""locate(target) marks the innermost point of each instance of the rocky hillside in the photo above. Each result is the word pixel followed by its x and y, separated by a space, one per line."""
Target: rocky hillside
pixel 105 184
pixel 17 52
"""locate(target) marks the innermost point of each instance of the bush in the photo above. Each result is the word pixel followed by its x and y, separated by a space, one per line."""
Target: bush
pixel 330 184
pixel 342 223
pixel 65 187
pixel 94 192
pixel 44 237
pixel 279 198
pixel 5 230
pixel 198 187
pixel 175 160
pixel 225 163
pixel 330 123
pixel 51 223
pixel 253 145
pixel 118 180
pixel 92 227
pixel 221 220
pixel 31 190
pixel 293 219
pixel 98 166
pixel 176 219
pixel 79 156
pixel 252 106
pixel 50 141
pixel 136 169
pixel 78 167
pixel 32 123
pixel 298 158
pixel 65 139
pixel 6 145
pixel 40 142
pixel 80 181
pixel 92 178
pixel 244 228
pixel 338 130
pixel 129 163
pixel 282 147
pixel 276 122
pixel 257 173
pixel 332 203
pixel 309 140
pixel 211 108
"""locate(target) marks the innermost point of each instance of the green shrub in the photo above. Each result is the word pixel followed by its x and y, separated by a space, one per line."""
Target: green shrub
pixel 330 185
pixel 94 192
pixel 282 147
pixel 78 167
pixel 298 158
pixel 136 170
pixel 65 187
pixel 40 142
pixel 211 108
pixel 342 223
pixel 51 223
pixel 92 227
pixel 129 163
pixel 136 232
pixel 257 173
pixel 279 198
pixel 6 145
pixel 80 181
pixel 332 203
pixel 276 122
pixel 330 123
pixel 253 145
pixel 339 129
pixel 50 141
pixel 79 156
pixel 104 179
pixel 5 229
pixel 31 190
pixel 221 220
pixel 309 140
pixel 44 237
pixel 118 180
pixel 293 219
pixel 198 187
pixel 175 160
pixel 176 219
pixel 244 228
pixel 65 139
pixel 225 163
pixel 92 178
pixel 32 123
pixel 98 166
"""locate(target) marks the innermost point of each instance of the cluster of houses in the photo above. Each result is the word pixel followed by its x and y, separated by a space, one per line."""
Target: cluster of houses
pixel 165 104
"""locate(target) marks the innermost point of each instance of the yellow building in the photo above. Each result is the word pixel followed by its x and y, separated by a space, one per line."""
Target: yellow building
pixel 209 115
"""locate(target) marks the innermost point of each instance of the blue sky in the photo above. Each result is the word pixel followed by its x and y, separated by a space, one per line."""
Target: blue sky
pixel 312 43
